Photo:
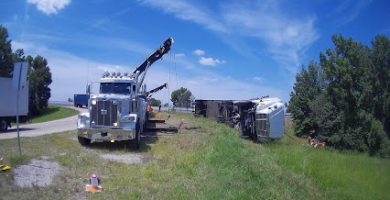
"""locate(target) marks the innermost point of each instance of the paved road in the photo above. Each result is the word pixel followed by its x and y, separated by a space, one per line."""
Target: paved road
pixel 32 130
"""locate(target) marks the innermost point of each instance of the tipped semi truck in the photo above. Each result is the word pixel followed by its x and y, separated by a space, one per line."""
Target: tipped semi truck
pixel 260 119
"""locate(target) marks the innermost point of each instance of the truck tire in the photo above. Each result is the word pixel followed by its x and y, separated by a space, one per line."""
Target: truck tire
pixel 136 142
pixel 3 125
pixel 84 141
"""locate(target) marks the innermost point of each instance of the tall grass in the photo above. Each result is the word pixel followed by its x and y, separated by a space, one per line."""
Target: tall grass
pixel 339 175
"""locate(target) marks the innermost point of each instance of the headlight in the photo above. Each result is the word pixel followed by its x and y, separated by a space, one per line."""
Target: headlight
pixel 83 120
pixel 93 102
pixel 128 118
pixel 131 118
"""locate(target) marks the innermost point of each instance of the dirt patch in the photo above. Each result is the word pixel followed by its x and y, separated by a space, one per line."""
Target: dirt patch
pixel 127 158
pixel 38 172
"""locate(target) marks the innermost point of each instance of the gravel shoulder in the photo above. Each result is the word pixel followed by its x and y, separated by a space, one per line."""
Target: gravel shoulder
pixel 38 172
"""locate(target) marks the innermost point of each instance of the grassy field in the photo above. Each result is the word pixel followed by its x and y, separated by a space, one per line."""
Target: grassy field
pixel 204 160
pixel 53 113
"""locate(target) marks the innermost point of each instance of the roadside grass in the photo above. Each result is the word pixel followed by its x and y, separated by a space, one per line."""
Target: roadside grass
pixel 53 113
pixel 339 175
pixel 205 160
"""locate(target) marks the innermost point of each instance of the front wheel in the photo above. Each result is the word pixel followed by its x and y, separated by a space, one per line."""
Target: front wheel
pixel 136 142
pixel 84 141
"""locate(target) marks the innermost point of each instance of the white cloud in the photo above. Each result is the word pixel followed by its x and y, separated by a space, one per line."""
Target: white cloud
pixel 348 11
pixel 50 6
pixel 258 78
pixel 210 61
pixel 198 52
pixel 180 55
pixel 108 18
pixel 285 37
pixel 70 73
pixel 187 11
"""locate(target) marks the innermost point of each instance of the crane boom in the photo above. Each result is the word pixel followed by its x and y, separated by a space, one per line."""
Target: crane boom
pixel 165 85
pixel 159 53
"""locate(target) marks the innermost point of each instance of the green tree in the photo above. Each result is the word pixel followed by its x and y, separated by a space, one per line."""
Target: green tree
pixel 307 86
pixel 323 115
pixel 346 68
pixel 18 55
pixel 182 97
pixel 347 96
pixel 6 56
pixel 155 102
pixel 40 79
pixel 380 80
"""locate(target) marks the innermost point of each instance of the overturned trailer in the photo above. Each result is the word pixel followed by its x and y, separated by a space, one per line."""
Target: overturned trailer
pixel 260 119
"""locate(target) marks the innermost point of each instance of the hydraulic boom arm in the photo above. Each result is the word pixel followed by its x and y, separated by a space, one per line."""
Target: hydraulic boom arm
pixel 165 85
pixel 155 56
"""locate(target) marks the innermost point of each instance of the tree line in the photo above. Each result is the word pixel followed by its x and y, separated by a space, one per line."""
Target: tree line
pixel 345 98
pixel 39 74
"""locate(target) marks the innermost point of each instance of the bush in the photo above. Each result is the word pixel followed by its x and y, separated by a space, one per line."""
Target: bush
pixel 376 137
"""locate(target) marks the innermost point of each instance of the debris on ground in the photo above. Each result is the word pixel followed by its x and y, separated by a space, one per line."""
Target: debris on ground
pixel 94 184
pixel 156 125
pixel 4 167
pixel 181 123
pixel 127 158
pixel 38 172
pixel 316 143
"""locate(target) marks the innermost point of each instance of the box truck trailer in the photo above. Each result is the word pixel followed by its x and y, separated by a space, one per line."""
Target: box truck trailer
pixel 14 93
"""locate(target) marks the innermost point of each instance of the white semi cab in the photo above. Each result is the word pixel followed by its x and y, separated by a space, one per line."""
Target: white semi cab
pixel 269 118
pixel 118 111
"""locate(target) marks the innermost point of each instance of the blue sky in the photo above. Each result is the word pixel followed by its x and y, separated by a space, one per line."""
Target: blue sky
pixel 222 50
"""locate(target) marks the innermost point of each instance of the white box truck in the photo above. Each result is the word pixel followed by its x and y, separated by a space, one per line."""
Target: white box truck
pixel 9 88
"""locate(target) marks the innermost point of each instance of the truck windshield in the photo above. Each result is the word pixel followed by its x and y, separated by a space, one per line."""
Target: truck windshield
pixel 115 88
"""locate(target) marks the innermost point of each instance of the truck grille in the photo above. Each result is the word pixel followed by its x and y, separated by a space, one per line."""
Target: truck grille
pixel 104 113
pixel 261 124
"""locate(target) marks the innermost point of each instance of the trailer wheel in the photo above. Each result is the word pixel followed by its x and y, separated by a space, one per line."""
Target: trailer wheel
pixel 84 141
pixel 3 125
